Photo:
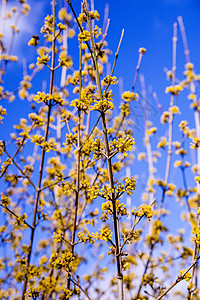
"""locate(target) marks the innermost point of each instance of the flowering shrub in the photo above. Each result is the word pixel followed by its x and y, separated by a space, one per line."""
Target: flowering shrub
pixel 72 222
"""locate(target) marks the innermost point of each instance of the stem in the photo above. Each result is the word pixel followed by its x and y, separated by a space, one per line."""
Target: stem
pixel 116 56
pixel 21 171
pixel 16 216
pixel 137 70
pixel 34 224
pixel 197 124
pixel 145 270
pixel 77 283
pixel 147 139
pixel 110 171
pixel 78 165
pixel 171 116
pixel 179 279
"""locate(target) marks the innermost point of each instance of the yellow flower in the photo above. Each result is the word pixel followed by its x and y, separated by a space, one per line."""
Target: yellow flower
pixel 84 36
pixel 142 50
pixel 197 178
pixel 162 143
pixel 192 96
pixel 128 96
pixel 174 89
pixel 174 109
pixel 141 156
pixel 165 117
pixel 187 276
pixel 143 210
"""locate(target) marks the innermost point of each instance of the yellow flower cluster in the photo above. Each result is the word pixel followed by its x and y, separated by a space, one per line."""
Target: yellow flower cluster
pixel 108 208
pixel 185 129
pixel 157 228
pixel 187 276
pixel 142 50
pixel 197 178
pixel 151 131
pixel 39 140
pixel 84 237
pixel 96 31
pixel 125 108
pixel 37 120
pixel 174 109
pixel 42 97
pixel 165 117
pixel 174 89
pixel 104 234
pixel 5 200
pixel 20 221
pixel 67 294
pixel 2 113
pixel 109 80
pixel 93 192
pixel 64 16
pixel 43 59
pixel 149 279
pixel 34 41
pixel 58 236
pixel 170 189
pixel 130 184
pixel 161 183
pixel 64 60
pixel 66 189
pixel 106 192
pixel 65 260
pixel 104 104
pixel 162 143
pixel 195 143
pixel 143 210
pixel 87 98
pixel 61 26
pixel 122 145
pixel 91 14
pixel 32 293
pixel 84 36
pixel 47 29
pixel 71 139
pixel 128 96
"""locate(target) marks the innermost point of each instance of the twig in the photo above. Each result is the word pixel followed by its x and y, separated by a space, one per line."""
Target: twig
pixel 42 158
pixel 179 279
pixel 16 216
pixel 110 172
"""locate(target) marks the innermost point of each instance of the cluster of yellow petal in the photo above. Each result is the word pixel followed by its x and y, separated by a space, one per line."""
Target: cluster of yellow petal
pixel 143 210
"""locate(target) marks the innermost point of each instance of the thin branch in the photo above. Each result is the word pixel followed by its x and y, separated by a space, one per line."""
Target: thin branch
pixel 21 171
pixel 42 158
pixel 179 279
pixel 109 164
pixel 16 216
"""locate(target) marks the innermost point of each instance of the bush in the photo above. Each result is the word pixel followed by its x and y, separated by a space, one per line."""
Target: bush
pixel 73 221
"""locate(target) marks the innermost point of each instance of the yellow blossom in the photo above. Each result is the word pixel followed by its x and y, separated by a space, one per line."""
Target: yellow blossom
pixel 187 276
pixel 174 109
pixel 84 36
pixel 128 96
pixel 142 50
pixel 174 89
